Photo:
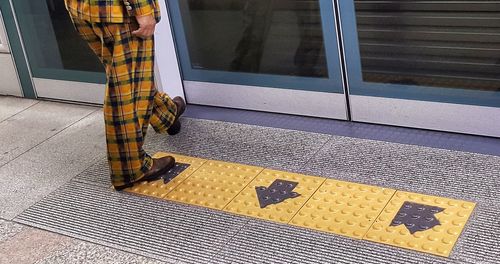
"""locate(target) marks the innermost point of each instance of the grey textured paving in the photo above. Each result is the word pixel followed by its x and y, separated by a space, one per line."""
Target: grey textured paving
pixel 480 242
pixel 265 242
pixel 10 106
pixel 453 174
pixel 168 231
pixel 84 252
pixel 23 244
pixel 38 123
pixel 435 139
pixel 247 144
pixel 44 168
pixel 253 145
pixel 97 174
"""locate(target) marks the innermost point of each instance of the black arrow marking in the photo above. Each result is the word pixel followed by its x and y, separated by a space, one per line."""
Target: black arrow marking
pixel 417 217
pixel 174 172
pixel 279 191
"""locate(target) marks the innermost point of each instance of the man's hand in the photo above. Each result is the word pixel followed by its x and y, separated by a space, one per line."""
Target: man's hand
pixel 147 25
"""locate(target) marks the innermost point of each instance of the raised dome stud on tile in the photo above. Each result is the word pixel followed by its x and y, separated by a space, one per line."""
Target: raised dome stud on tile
pixel 215 184
pixel 427 223
pixel 281 210
pixel 346 208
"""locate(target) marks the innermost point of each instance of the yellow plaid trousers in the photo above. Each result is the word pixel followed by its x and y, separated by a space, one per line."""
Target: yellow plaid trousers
pixel 112 11
pixel 131 99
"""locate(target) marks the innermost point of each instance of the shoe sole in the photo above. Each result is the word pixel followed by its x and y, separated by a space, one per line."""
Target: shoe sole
pixel 160 173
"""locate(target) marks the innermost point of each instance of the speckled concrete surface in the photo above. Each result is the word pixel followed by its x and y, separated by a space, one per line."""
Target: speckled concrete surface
pixel 36 124
pixel 84 252
pixel 9 229
pixel 13 105
pixel 435 139
pixel 52 163
pixel 448 173
pixel 30 245
pixel 253 145
pixel 267 147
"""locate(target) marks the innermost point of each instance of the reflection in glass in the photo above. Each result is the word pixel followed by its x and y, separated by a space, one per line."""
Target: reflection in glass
pixel 452 44
pixel 54 48
pixel 283 37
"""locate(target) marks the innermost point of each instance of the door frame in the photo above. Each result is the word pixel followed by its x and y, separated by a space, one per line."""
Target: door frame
pixel 10 79
pixel 64 85
pixel 16 49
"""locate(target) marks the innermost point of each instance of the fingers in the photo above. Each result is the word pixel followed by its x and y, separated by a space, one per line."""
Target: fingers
pixel 144 31
pixel 147 25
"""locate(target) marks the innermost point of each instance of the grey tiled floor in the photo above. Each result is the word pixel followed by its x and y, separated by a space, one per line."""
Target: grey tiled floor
pixel 57 180
pixel 52 158
pixel 12 106
pixel 42 146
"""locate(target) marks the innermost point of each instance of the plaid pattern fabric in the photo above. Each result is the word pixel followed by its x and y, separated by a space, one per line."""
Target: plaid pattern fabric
pixel 112 11
pixel 131 99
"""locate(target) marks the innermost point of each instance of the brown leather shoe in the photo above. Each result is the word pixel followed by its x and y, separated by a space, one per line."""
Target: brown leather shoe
pixel 160 166
pixel 181 105
pixel 175 128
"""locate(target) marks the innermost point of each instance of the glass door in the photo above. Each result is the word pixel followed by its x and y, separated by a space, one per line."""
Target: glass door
pixel 270 55
pixel 61 64
pixel 426 64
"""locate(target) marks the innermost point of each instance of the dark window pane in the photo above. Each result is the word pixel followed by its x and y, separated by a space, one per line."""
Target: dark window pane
pixel 53 46
pixel 432 43
pixel 283 37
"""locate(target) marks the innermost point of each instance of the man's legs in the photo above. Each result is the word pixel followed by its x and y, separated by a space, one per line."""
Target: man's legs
pixel 130 97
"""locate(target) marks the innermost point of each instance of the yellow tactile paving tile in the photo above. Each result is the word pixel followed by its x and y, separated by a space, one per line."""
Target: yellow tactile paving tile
pixel 438 240
pixel 247 202
pixel 214 184
pixel 343 208
pixel 160 190
pixel 332 206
